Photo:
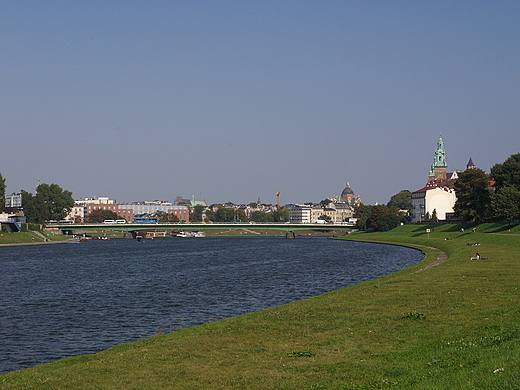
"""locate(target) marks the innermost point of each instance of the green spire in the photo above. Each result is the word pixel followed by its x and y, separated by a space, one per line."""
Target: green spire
pixel 439 159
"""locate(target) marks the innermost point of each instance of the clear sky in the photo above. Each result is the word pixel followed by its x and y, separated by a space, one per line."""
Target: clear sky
pixel 236 100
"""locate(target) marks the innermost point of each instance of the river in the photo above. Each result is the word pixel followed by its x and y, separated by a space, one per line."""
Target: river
pixel 63 300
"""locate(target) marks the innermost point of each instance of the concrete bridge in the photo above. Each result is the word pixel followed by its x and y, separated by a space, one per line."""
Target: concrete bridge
pixel 130 227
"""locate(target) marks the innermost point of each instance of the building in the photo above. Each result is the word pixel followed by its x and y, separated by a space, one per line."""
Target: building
pixel 438 196
pixel 191 202
pixel 336 213
pixel 348 196
pixel 299 213
pixel 433 199
pixel 94 200
pixel 77 214
pixel 147 208
pixel 122 212
pixel 13 203
pixel 128 211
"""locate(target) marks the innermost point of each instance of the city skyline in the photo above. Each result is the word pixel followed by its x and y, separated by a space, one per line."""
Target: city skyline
pixel 235 101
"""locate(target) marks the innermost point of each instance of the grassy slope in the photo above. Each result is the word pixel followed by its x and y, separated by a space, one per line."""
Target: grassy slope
pixel 454 326
pixel 28 237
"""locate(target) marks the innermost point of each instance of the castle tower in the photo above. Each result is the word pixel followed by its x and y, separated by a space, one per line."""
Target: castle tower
pixel 439 166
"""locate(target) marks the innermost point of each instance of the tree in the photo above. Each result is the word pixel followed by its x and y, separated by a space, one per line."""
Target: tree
pixel 210 215
pixel 2 193
pixel 377 212
pixel 29 208
pixel 260 216
pixel 434 217
pixel 225 214
pixel 389 221
pixel 507 173
pixel 281 215
pixel 473 198
pixel 163 216
pixel 362 215
pixel 52 202
pixel 197 213
pixel 99 215
pixel 506 204
pixel 402 200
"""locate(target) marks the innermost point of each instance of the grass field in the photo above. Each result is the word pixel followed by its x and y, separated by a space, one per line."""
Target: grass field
pixel 452 326
pixel 29 237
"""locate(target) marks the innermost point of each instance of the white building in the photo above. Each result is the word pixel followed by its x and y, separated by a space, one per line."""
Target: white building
pixel 94 200
pixel 438 196
pixel 299 213
pixel 337 212
pixel 77 214
pixel 430 199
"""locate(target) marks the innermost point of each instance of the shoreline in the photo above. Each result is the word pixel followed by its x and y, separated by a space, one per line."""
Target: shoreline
pixel 37 243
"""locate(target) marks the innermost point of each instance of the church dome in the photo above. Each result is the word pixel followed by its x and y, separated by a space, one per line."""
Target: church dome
pixel 347 190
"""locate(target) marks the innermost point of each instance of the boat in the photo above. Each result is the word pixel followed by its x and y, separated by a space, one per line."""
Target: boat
pixel 188 233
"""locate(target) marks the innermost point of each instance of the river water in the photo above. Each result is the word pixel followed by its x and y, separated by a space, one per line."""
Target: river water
pixel 63 300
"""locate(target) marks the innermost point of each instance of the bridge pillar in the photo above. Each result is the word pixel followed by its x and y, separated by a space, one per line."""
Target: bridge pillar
pixel 290 235
pixel 130 235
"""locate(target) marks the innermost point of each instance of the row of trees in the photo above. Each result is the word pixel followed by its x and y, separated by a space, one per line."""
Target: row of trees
pixel 479 199
pixel 378 217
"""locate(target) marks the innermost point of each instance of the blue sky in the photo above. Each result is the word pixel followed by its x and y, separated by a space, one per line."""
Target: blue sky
pixel 236 100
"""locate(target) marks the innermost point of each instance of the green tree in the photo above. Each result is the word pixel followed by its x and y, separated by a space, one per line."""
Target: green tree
pixel 388 221
pixel 227 214
pixel 281 214
pixel 375 215
pixel 197 212
pixel 163 216
pixel 505 204
pixel 507 173
pixel 434 217
pixel 362 214
pixel 99 215
pixel 210 215
pixel 52 202
pixel 2 193
pixel 29 207
pixel 402 200
pixel 260 216
pixel 473 198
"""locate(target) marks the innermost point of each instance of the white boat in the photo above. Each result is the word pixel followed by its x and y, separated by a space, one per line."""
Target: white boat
pixel 187 233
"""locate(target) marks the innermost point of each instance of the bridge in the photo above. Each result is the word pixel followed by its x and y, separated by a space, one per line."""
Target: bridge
pixel 131 227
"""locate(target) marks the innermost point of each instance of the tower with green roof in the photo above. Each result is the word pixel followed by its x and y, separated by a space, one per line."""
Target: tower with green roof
pixel 439 166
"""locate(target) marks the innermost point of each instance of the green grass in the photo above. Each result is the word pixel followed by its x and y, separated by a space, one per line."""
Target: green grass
pixel 27 237
pixel 453 326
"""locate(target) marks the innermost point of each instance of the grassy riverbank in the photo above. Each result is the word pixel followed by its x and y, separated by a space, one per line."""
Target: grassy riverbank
pixel 453 326
pixel 29 237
